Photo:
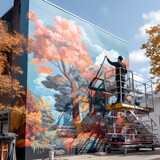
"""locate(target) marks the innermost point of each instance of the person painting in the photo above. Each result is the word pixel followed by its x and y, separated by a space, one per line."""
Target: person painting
pixel 120 68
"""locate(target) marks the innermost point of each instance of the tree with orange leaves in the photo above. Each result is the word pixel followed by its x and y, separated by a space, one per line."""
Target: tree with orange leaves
pixel 12 94
pixel 14 43
pixel 152 51
pixel 62 46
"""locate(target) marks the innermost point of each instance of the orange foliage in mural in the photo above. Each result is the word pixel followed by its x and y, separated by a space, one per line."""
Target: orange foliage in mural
pixel 61 45
pixel 43 69
pixel 27 133
pixel 62 79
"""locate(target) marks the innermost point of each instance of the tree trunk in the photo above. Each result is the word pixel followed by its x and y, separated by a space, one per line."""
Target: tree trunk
pixel 75 102
pixel 76 116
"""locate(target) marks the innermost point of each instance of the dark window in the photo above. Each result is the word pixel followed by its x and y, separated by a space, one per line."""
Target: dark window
pixel 4 121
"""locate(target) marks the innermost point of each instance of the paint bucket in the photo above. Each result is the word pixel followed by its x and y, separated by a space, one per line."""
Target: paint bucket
pixel 51 155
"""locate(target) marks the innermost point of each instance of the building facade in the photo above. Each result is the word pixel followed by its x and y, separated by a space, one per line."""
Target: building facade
pixel 156 118
pixel 64 56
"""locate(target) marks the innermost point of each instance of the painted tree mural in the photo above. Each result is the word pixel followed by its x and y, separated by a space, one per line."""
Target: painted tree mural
pixel 61 45
pixel 63 102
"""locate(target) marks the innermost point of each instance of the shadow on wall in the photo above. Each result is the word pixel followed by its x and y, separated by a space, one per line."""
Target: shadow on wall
pixel 90 146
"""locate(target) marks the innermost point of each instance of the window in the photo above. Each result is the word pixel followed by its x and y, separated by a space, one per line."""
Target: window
pixel 4 121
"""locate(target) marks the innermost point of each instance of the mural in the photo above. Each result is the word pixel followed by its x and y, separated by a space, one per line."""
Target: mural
pixel 66 54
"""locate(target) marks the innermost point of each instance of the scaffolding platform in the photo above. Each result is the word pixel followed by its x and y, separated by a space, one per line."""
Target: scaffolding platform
pixel 125 106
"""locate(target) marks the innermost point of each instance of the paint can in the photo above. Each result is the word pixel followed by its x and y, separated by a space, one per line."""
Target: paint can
pixel 51 155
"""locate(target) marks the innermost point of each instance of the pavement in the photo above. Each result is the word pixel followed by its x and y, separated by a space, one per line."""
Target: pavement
pixel 143 154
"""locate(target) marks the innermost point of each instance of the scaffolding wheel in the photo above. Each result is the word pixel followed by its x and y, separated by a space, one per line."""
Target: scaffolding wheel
pixel 153 147
pixel 104 148
pixel 109 150
pixel 124 150
pixel 137 149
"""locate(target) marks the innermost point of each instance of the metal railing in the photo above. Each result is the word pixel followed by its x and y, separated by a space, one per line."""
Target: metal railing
pixel 137 89
pixel 126 126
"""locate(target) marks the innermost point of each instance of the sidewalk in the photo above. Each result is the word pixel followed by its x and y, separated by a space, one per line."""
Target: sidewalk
pixel 143 154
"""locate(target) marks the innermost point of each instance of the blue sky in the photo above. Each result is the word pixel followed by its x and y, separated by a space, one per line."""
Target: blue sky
pixel 123 18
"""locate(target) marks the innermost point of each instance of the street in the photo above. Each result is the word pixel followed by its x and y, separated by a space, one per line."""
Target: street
pixel 143 154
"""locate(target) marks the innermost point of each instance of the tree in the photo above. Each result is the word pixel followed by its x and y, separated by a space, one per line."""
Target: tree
pixel 47 118
pixel 14 43
pixel 61 46
pixel 152 48
pixel 32 105
pixel 12 94
pixel 63 98
pixel 63 102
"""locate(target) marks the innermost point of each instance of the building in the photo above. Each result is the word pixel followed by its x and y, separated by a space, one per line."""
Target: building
pixel 156 117
pixel 66 53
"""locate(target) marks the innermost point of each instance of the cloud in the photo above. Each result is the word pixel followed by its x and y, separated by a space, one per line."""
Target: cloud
pixel 49 99
pixel 145 69
pixel 112 55
pixel 104 10
pixel 99 59
pixel 40 88
pixel 151 19
pixel 89 43
pixel 138 56
pixel 39 79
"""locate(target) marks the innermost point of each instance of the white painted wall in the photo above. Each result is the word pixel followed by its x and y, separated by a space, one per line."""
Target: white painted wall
pixel 156 117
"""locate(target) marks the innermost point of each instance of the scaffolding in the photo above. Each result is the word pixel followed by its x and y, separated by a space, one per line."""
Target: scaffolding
pixel 129 124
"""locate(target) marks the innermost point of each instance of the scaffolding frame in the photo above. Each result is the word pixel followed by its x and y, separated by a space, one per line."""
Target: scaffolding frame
pixel 140 90
pixel 134 131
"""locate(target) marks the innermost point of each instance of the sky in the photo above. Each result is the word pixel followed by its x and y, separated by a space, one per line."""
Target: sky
pixel 126 19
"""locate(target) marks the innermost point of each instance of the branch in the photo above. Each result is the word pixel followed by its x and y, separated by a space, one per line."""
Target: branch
pixel 57 65
pixel 60 68
pixel 70 70
pixel 73 84
pixel 54 64
pixel 64 67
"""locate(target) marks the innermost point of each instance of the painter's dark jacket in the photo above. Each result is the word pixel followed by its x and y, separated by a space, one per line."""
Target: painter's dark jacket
pixel 120 66
pixel 10 139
